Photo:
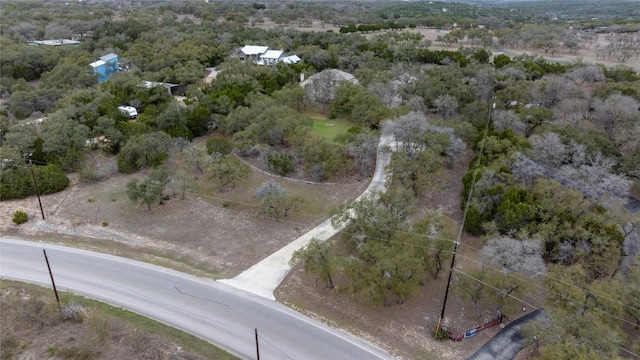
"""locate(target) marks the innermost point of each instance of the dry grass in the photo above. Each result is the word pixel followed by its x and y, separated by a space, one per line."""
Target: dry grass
pixel 32 327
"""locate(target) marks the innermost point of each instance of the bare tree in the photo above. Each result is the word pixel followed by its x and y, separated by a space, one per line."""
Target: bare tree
pixel 515 255
pixel 485 81
pixel 594 178
pixel 548 150
pixel 509 75
pixel 619 116
pixel 526 170
pixel 446 105
pixel 551 89
pixel 507 119
pixel 408 131
pixel 56 31
pixel 587 74
pixel 25 32
pixel 385 91
pixel 322 88
pixel 455 145
pixel 363 150
pixel 573 111
pixel 269 188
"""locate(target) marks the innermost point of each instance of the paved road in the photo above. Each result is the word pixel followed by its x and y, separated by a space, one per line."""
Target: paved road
pixel 264 277
pixel 507 342
pixel 212 311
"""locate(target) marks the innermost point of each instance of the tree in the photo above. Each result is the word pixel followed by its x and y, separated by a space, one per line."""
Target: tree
pixel 508 120
pixel 446 105
pixel 56 31
pixel 173 121
pixel 551 89
pixel 319 259
pixel 619 115
pixel 471 284
pixel 275 202
pixel 534 117
pixel 322 88
pixel 280 163
pixel 149 149
pixel 417 172
pixel 485 81
pixel 515 255
pixel 22 103
pixel 228 172
pixel 149 190
pixel 408 131
pixel 51 179
pixel 434 236
pixel 363 108
pixel 582 318
pixel 385 91
pixel 219 145
pixel 362 148
pixel 322 159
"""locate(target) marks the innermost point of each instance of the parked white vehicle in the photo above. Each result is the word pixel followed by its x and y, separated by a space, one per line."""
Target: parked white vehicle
pixel 129 110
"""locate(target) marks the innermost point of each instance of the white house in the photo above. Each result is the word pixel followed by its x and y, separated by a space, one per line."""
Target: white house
pixel 262 55
pixel 251 52
pixel 54 42
pixel 292 59
pixel 271 57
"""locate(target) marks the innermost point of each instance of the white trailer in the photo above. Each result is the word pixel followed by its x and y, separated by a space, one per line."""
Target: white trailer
pixel 129 110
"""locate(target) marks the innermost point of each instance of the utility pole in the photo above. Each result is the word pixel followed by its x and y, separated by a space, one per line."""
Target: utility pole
pixel 464 218
pixel 55 291
pixel 35 185
pixel 257 346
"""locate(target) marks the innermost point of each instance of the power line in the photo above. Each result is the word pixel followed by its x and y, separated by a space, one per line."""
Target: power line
pixel 409 244
pixel 464 215
pixel 539 308
pixel 553 292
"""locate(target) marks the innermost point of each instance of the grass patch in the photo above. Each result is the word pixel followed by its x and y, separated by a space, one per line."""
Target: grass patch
pixel 330 128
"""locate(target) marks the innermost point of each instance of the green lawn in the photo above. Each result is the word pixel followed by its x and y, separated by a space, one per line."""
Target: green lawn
pixel 330 128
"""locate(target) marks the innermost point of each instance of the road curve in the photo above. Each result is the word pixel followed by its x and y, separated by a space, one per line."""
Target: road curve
pixel 205 308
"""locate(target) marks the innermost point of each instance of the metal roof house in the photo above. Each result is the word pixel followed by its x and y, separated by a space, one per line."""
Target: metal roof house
pixel 56 42
pixel 106 66
pixel 172 89
pixel 270 57
pixel 251 52
pixel 292 59
pixel 262 55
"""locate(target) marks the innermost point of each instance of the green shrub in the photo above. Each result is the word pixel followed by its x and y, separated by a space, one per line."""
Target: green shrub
pixel 281 164
pixel 20 217
pixel 441 334
pixel 219 145
pixel 51 179
pixel 104 223
pixel 15 183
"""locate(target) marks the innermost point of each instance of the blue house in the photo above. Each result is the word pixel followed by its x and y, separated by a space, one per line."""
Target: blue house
pixel 106 66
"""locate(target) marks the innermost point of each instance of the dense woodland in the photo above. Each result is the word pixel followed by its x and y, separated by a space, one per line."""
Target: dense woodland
pixel 553 166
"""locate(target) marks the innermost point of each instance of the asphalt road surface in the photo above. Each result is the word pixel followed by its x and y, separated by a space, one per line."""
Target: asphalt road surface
pixel 508 342
pixel 210 310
